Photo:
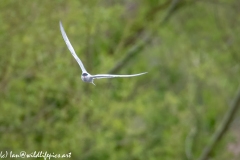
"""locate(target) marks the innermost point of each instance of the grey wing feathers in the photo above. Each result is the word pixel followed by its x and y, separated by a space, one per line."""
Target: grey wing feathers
pixel 71 48
pixel 99 76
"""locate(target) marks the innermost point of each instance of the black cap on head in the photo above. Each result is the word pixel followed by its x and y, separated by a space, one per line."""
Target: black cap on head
pixel 84 74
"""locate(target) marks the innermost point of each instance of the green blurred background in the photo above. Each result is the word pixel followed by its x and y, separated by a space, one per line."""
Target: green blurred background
pixel 190 49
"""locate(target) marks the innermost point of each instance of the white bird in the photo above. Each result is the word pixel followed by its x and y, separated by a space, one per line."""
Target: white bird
pixel 86 77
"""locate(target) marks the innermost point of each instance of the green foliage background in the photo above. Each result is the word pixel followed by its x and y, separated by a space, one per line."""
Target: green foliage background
pixel 192 59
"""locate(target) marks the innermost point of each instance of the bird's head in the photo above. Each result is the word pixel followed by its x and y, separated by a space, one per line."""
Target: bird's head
pixel 84 74
pixel 85 77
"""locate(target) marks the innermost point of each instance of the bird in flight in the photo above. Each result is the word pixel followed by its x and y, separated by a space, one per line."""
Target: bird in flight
pixel 86 77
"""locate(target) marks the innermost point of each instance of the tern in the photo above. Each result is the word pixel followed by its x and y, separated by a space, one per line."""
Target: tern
pixel 87 77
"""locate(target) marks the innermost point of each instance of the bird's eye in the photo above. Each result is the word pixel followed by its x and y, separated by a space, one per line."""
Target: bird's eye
pixel 84 74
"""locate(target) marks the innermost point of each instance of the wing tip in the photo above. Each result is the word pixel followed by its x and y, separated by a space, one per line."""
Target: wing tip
pixel 60 24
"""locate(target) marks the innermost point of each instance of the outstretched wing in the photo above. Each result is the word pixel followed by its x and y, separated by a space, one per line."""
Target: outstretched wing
pixel 99 76
pixel 71 48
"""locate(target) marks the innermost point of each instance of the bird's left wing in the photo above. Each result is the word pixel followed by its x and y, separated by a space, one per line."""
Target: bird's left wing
pixel 64 35
pixel 99 76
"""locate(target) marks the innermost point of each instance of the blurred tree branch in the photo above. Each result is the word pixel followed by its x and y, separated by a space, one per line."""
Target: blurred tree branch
pixel 223 128
pixel 173 6
pixel 193 98
pixel 189 142
pixel 130 54
pixel 150 16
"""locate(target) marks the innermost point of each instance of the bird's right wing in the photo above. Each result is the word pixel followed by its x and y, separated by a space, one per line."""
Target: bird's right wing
pixel 99 76
pixel 71 48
